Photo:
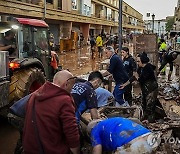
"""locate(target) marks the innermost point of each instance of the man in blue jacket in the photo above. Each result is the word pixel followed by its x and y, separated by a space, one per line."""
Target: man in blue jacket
pixel 118 72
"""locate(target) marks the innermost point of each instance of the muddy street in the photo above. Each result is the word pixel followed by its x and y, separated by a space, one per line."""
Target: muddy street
pixel 8 137
pixel 78 62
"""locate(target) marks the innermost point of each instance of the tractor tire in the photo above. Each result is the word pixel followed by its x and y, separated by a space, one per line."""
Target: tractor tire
pixel 24 82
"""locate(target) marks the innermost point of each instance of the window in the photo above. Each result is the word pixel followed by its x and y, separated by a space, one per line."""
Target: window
pixel 74 4
pixel 92 8
pixel 125 8
pixel 60 4
pixel 109 14
pixel 40 40
pixel 27 45
pixel 88 11
pixel 85 8
pixel 115 3
pixel 49 1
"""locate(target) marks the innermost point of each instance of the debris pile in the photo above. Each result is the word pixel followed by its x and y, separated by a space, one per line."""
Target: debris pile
pixel 170 135
pixel 169 91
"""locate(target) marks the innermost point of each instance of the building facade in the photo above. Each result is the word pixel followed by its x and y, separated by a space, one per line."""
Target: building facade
pixel 176 26
pixel 89 17
pixel 159 26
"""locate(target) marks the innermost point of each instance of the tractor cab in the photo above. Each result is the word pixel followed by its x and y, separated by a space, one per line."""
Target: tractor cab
pixel 30 43
pixel 30 37
pixel 31 60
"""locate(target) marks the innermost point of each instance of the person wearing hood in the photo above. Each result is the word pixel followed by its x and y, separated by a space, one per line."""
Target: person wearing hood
pixel 130 67
pixel 50 123
pixel 148 83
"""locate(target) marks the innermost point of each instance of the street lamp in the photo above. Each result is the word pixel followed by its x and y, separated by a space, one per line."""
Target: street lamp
pixel 120 25
pixel 159 28
pixel 153 17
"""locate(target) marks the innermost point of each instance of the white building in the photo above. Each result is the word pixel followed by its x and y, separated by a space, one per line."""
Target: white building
pixel 159 26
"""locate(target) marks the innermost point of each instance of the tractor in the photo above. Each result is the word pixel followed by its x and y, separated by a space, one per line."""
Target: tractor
pixel 32 62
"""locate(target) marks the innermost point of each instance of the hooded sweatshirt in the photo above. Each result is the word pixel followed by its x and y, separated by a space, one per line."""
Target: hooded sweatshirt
pixel 147 78
pixel 54 130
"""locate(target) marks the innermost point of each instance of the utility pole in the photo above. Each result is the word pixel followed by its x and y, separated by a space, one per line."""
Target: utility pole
pixel 44 17
pixel 120 25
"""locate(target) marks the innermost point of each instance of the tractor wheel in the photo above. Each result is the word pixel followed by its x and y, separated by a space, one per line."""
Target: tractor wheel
pixel 24 82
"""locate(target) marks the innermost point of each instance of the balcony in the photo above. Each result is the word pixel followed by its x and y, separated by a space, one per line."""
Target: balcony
pixel 18 8
pixel 36 2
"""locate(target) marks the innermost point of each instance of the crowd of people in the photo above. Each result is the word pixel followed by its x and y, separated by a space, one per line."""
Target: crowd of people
pixel 52 113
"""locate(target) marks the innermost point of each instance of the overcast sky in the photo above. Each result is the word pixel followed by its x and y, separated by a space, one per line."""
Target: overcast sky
pixel 161 8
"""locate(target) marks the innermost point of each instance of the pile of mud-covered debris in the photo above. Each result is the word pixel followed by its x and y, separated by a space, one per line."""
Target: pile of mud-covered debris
pixel 169 90
pixel 167 123
pixel 169 126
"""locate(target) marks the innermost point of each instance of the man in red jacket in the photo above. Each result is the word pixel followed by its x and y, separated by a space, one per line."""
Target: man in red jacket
pixel 50 123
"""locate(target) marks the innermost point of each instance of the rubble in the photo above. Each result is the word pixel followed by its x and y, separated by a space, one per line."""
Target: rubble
pixel 168 117
pixel 168 90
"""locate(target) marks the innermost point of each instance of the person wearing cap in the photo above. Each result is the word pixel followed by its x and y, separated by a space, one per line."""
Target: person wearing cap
pixel 85 96
pixel 148 83
pixel 117 70
pixel 130 67
pixel 169 57
pixel 119 135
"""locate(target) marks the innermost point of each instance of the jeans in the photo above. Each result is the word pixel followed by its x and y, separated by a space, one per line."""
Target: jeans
pixel 118 94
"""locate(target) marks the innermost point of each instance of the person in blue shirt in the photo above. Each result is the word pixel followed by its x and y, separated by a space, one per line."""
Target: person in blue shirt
pixel 85 96
pixel 104 97
pixel 118 72
pixel 119 135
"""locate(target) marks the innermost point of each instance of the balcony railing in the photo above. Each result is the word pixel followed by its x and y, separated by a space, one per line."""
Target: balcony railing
pixel 36 2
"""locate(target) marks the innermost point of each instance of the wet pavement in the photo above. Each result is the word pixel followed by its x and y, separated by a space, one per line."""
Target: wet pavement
pixel 8 137
pixel 80 61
